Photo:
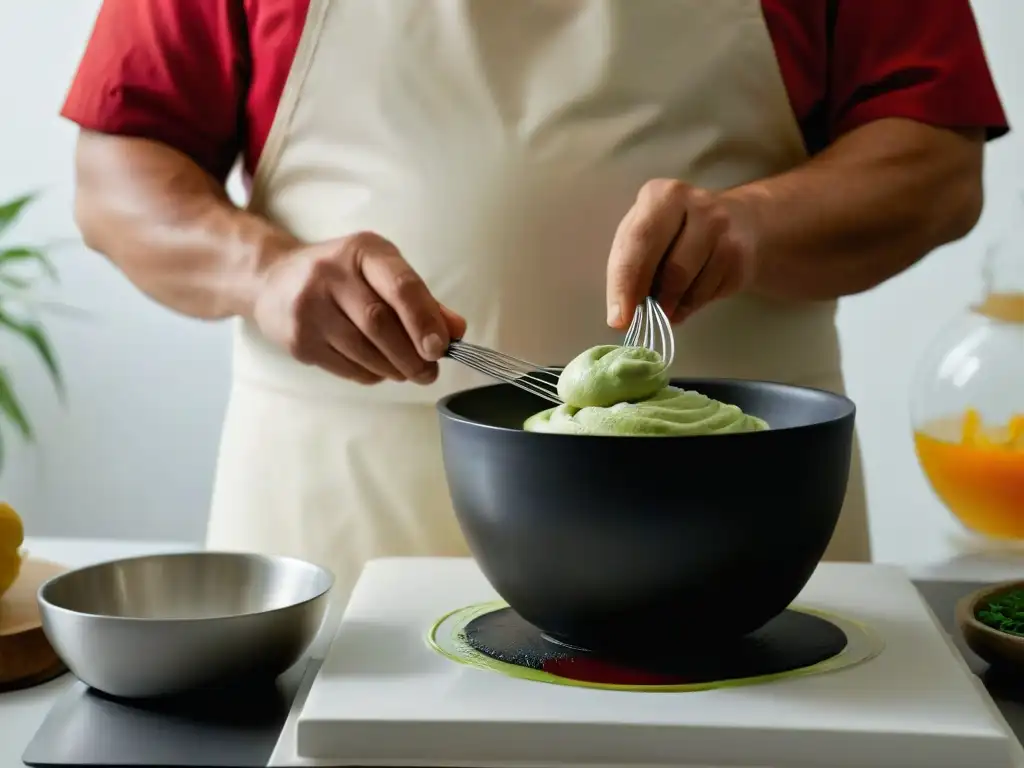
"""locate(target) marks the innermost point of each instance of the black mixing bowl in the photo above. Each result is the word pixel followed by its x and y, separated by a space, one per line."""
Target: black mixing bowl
pixel 617 544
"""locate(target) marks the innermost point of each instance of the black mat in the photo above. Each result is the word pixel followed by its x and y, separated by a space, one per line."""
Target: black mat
pixel 226 728
pixel 791 641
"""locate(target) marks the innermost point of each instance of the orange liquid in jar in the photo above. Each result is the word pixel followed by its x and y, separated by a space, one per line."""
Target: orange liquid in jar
pixel 977 471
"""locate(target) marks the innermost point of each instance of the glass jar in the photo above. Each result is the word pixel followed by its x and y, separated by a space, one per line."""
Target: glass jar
pixel 967 401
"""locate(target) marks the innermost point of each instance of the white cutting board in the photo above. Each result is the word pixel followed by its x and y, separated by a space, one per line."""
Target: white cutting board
pixel 383 697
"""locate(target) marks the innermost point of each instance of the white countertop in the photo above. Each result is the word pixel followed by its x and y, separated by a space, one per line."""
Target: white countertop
pixel 22 712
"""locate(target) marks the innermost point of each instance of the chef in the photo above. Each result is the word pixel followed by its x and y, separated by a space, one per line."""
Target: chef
pixel 511 170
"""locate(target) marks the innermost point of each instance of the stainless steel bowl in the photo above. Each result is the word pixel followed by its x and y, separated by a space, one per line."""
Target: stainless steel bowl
pixel 170 624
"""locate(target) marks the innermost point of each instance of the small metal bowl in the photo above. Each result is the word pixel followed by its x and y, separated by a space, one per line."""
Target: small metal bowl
pixel 170 624
pixel 1000 649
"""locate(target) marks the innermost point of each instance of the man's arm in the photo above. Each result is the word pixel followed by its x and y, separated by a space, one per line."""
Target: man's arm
pixel 881 198
pixel 171 228
pixel 903 97
pixel 867 208
pixel 352 306
pixel 159 95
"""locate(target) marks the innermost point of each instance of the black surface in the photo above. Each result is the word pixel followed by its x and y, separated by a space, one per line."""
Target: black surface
pixel 84 729
pixel 790 641
pixel 229 728
pixel 584 536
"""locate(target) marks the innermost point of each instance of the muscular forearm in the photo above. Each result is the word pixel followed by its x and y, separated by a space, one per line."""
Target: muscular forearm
pixel 873 204
pixel 171 228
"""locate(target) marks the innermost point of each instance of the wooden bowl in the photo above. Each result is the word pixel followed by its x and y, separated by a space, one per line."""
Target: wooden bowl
pixel 999 649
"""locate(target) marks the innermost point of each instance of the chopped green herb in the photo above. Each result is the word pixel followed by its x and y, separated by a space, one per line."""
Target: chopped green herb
pixel 1004 612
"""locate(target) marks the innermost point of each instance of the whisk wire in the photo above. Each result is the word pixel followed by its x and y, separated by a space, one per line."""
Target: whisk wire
pixel 651 328
pixel 534 379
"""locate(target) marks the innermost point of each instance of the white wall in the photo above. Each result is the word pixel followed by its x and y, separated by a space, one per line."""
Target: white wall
pixel 885 331
pixel 132 454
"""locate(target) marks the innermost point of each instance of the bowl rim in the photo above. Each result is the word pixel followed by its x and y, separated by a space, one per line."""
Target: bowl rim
pixel 444 408
pixel 966 607
pixel 46 586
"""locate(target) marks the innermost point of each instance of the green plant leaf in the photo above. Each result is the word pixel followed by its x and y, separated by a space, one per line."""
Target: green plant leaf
pixel 11 408
pixel 23 254
pixel 9 212
pixel 17 283
pixel 22 295
pixel 33 333
pixel 60 308
pixel 29 330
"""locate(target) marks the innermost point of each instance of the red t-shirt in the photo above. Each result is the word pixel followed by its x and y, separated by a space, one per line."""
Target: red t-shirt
pixel 206 77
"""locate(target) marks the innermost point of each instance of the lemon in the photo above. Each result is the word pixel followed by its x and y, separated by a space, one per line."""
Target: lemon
pixel 12 535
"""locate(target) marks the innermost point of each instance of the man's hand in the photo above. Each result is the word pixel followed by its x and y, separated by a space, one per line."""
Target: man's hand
pixel 356 308
pixel 692 245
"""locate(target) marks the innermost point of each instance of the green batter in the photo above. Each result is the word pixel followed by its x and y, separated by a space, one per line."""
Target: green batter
pixel 612 390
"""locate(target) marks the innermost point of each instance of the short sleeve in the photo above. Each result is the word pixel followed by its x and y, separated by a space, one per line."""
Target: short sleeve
pixel 918 59
pixel 173 71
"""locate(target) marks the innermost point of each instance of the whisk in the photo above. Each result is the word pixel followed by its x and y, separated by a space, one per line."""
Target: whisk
pixel 652 329
pixel 538 380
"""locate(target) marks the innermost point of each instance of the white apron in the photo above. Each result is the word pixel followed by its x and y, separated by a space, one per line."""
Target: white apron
pixel 498 144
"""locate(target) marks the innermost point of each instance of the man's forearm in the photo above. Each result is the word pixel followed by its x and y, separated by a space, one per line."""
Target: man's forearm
pixel 171 228
pixel 864 210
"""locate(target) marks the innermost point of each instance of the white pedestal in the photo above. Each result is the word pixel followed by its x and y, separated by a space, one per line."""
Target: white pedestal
pixel 385 698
